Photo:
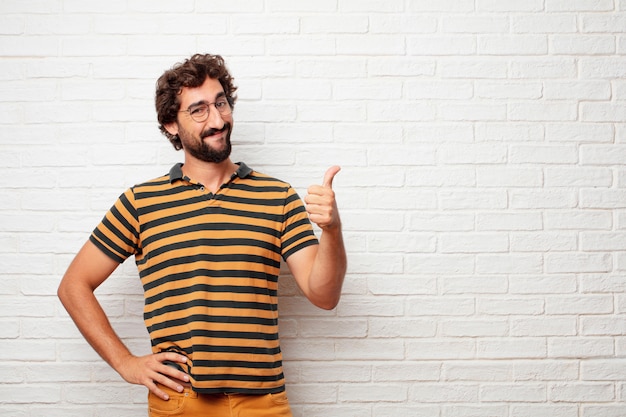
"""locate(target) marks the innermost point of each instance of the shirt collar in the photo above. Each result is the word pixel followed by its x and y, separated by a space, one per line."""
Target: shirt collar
pixel 243 171
pixel 176 172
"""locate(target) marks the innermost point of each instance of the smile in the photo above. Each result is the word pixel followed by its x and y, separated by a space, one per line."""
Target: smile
pixel 213 133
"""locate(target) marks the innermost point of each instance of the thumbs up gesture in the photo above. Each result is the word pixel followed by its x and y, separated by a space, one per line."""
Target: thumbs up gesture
pixel 321 204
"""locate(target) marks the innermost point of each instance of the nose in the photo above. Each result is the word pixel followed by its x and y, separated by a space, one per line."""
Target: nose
pixel 215 118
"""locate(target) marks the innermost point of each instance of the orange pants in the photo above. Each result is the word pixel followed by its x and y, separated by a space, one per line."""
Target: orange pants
pixel 191 404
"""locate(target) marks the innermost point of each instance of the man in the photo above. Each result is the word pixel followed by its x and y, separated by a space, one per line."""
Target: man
pixel 208 239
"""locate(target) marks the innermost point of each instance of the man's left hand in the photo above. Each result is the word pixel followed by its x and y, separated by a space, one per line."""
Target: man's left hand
pixel 321 204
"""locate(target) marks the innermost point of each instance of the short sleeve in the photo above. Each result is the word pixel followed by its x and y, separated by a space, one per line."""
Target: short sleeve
pixel 297 229
pixel 117 235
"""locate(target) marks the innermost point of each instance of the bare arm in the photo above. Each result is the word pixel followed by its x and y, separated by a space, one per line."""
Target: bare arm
pixel 320 270
pixel 90 268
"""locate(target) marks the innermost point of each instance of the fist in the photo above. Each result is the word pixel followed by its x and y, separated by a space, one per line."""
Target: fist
pixel 321 204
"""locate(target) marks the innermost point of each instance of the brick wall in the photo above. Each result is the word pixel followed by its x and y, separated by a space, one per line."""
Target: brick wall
pixel 483 193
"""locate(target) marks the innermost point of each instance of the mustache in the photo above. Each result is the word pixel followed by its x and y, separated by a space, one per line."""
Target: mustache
pixel 212 131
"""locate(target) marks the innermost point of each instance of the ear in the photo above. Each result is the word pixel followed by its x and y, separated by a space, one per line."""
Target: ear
pixel 172 128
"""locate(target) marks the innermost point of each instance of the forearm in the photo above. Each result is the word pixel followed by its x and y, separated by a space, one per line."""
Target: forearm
pixel 92 322
pixel 329 269
pixel 149 370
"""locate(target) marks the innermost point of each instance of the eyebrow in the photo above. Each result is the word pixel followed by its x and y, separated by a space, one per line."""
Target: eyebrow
pixel 197 103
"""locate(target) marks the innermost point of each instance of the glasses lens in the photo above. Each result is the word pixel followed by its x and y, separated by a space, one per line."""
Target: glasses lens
pixel 223 107
pixel 199 113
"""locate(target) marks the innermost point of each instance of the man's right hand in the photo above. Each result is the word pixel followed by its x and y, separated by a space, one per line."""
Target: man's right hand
pixel 152 371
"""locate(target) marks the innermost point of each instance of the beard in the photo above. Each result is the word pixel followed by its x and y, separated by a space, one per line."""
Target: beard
pixel 201 150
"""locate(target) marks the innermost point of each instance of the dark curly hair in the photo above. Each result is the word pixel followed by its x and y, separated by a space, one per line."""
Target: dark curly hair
pixel 190 73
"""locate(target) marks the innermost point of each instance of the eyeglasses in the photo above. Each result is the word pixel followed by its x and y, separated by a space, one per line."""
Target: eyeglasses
pixel 200 112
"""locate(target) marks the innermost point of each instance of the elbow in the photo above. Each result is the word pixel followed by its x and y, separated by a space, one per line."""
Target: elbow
pixel 328 297
pixel 328 303
pixel 66 292
pixel 328 306
pixel 62 292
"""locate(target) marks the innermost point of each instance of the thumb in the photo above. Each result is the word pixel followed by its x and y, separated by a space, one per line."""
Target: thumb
pixel 330 175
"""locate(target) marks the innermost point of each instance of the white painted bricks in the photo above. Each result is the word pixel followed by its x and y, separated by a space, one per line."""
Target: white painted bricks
pixel 483 193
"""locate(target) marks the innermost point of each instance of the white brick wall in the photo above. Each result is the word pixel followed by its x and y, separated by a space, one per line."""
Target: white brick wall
pixel 483 191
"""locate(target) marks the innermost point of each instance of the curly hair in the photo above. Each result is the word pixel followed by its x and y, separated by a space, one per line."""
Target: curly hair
pixel 190 73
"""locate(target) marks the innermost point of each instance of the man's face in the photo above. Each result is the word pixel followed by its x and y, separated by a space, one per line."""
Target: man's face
pixel 209 140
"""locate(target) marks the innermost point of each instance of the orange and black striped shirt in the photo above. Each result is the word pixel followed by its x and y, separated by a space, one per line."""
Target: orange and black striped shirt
pixel 209 266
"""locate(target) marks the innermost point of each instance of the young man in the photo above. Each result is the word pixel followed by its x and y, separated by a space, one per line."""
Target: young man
pixel 208 239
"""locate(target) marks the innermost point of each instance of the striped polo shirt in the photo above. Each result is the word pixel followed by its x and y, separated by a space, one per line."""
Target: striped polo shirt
pixel 209 266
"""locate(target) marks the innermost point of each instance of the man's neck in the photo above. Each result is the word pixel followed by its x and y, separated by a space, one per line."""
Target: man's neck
pixel 211 175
